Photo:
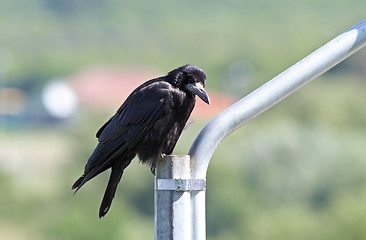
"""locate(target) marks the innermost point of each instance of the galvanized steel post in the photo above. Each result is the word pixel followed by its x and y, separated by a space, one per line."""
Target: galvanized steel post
pixel 173 186
pixel 172 203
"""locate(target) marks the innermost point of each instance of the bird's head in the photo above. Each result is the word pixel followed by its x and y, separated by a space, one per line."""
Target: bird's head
pixel 190 79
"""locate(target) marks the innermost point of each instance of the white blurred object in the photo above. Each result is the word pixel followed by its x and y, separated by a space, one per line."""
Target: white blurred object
pixel 59 99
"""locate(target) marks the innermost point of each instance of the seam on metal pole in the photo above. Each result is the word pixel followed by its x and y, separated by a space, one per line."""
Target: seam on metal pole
pixel 181 185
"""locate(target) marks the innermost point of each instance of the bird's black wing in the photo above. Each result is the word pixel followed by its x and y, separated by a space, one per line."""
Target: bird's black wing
pixel 127 127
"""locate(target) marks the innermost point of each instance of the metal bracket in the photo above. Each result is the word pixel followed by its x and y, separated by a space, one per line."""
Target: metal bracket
pixel 180 185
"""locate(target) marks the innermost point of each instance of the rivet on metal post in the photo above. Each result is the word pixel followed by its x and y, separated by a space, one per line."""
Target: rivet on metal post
pixel 179 183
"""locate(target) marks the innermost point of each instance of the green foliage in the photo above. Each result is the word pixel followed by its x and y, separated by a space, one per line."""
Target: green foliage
pixel 62 38
pixel 294 174
pixel 290 174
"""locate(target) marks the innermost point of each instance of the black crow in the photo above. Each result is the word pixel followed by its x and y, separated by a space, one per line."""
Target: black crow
pixel 148 124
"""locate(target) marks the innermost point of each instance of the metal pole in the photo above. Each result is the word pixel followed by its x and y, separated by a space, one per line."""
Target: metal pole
pixel 173 189
pixel 259 101
pixel 172 202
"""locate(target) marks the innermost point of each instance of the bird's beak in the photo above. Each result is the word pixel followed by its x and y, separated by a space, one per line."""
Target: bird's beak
pixel 198 89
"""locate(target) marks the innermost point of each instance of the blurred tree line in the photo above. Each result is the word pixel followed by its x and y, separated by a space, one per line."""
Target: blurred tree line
pixel 296 172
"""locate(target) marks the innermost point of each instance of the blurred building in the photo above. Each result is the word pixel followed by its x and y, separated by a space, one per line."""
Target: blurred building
pixel 105 88
pixel 97 89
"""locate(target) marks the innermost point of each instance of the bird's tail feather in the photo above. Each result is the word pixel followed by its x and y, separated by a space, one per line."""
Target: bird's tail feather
pixel 115 177
pixel 83 179
pixel 86 177
pixel 77 183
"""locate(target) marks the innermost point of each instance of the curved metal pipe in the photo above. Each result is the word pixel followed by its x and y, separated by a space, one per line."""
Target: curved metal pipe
pixel 259 101
pixel 271 93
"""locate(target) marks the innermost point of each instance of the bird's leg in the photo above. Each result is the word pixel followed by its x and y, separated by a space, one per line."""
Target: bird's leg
pixel 160 157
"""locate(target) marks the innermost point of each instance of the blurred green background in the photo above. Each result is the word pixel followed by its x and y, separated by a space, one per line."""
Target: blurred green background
pixel 298 171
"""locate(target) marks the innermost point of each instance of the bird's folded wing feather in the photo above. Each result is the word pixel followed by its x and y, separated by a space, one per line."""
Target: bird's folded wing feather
pixel 123 132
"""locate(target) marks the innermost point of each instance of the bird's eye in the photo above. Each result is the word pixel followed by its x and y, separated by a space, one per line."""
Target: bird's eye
pixel 190 79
